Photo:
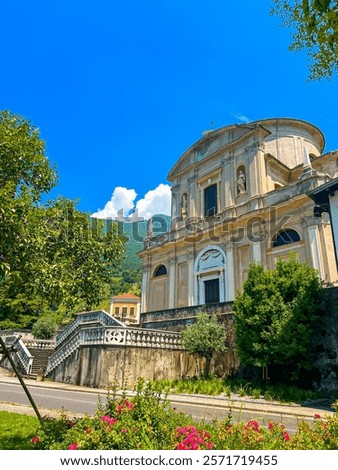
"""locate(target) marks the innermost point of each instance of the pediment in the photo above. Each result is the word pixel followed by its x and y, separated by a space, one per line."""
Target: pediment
pixel 209 144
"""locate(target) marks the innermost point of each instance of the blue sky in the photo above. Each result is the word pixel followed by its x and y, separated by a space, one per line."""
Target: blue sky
pixel 120 89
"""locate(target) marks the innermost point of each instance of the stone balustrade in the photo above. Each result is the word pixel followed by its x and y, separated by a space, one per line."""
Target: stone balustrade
pixel 143 338
pixel 176 319
pixel 114 336
pixel 22 357
pixel 40 343
pixel 98 317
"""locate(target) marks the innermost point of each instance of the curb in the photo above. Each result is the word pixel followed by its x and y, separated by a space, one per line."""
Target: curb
pixel 232 403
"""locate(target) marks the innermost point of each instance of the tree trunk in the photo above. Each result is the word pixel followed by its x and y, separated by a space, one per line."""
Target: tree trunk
pixel 207 367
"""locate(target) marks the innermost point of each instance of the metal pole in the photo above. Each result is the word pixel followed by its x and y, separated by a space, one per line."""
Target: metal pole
pixel 19 376
pixel 11 350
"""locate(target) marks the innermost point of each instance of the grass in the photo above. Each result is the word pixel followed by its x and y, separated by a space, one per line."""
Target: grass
pixel 217 386
pixel 16 431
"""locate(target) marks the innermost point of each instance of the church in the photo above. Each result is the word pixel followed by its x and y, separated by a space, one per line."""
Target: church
pixel 240 194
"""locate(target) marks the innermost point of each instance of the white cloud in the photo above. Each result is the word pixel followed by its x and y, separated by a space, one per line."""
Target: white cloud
pixel 122 203
pixel 122 199
pixel 157 201
pixel 241 117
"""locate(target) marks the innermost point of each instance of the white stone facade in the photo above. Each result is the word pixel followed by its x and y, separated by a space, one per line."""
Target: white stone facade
pixel 239 195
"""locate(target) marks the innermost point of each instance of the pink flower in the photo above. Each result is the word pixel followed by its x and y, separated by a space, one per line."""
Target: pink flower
pixel 123 430
pixel 286 436
pixel 252 424
pixel 271 425
pixel 194 440
pixel 35 439
pixel 73 446
pixel 105 418
pixel 129 404
pixel 87 430
pixel 108 419
pixel 317 416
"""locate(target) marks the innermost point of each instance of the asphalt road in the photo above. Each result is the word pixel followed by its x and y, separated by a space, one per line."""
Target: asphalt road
pixel 82 402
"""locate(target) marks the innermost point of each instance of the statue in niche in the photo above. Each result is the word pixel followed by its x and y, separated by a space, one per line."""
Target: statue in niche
pixel 241 182
pixel 184 206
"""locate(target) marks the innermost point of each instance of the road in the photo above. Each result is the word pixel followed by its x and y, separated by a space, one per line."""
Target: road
pixel 82 402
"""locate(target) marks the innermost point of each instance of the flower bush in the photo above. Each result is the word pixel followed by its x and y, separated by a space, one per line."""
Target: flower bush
pixel 146 421
pixel 191 439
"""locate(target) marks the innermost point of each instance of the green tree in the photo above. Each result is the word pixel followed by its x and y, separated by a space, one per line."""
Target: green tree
pixel 53 257
pixel 315 28
pixel 204 338
pixel 45 327
pixel 126 280
pixel 25 174
pixel 275 316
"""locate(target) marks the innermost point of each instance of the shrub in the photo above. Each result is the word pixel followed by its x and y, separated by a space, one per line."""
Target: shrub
pixel 147 422
pixel 275 316
pixel 44 327
pixel 204 338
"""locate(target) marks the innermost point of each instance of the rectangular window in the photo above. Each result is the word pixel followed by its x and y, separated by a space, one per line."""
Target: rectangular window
pixel 124 310
pixel 132 311
pixel 210 200
pixel 211 291
pixel 117 310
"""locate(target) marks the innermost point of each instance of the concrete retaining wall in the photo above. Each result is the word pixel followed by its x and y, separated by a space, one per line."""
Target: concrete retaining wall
pixel 101 366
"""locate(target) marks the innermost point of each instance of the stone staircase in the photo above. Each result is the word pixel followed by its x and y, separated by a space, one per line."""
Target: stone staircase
pixel 40 360
pixel 41 350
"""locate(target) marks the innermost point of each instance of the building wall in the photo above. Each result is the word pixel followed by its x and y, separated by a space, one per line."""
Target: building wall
pixel 274 157
pixel 125 310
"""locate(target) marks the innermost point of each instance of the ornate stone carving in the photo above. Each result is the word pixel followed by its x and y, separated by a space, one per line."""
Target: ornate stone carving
pixel 241 181
pixel 211 259
pixel 184 206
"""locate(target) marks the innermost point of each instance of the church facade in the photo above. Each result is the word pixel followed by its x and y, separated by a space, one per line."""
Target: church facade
pixel 240 195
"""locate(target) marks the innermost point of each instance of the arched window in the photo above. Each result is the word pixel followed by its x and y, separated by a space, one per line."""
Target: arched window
pixel 285 236
pixel 161 270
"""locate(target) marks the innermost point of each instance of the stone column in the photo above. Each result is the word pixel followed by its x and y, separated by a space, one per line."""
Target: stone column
pixel 256 252
pixel 191 258
pixel 229 273
pixel 192 196
pixel 200 297
pixel 171 282
pixel 334 221
pixel 262 185
pixel 222 286
pixel 175 205
pixel 315 249
pixel 227 182
pixel 145 288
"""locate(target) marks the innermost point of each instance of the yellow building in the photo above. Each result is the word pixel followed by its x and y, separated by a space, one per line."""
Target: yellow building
pixel 239 195
pixel 126 308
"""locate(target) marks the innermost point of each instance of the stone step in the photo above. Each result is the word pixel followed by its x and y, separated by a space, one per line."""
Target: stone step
pixel 40 360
